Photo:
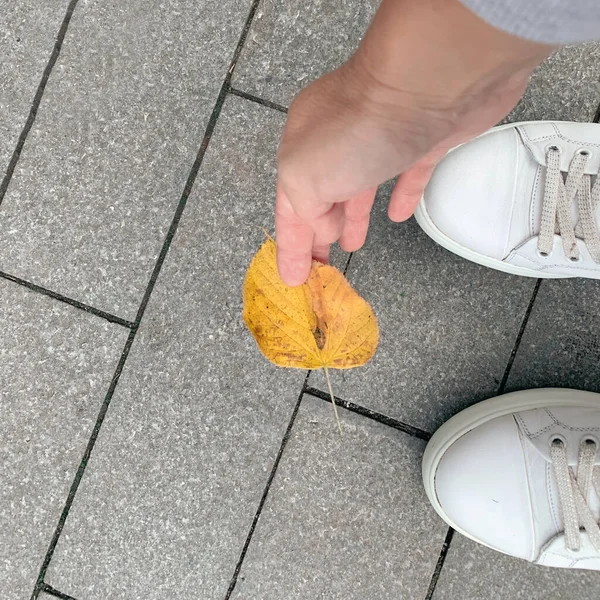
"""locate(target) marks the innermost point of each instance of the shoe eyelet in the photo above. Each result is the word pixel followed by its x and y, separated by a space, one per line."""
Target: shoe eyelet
pixel 543 254
pixel 575 259
pixel 553 148
pixel 584 152
pixel 591 439
pixel 557 440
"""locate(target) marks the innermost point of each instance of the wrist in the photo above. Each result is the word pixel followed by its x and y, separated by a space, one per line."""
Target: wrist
pixel 437 51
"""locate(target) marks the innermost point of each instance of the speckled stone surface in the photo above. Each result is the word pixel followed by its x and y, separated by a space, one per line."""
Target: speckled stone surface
pixel 344 519
pixel 27 34
pixel 56 363
pixel 473 572
pixel 565 87
pixel 447 326
pixel 561 344
pixel 117 132
pixel 198 416
pixel 292 42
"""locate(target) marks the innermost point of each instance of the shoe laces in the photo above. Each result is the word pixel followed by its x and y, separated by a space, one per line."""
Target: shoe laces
pixel 559 195
pixel 574 491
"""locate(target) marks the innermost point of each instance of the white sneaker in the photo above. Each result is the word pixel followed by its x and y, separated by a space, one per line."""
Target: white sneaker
pixel 520 474
pixel 520 199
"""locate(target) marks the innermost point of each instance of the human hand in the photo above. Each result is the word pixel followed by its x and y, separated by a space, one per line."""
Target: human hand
pixel 427 77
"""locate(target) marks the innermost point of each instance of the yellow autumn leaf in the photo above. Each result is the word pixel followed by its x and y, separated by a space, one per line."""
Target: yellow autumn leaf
pixel 322 323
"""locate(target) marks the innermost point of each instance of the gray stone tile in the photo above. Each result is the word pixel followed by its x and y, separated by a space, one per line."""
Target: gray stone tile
pixel 27 33
pixel 344 518
pixel 474 572
pixel 566 87
pixel 56 363
pixel 198 416
pixel 118 130
pixel 291 43
pixel 561 344
pixel 447 326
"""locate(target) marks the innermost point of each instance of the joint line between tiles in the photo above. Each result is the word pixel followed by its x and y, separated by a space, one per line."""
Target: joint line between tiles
pixel 37 99
pixel 440 564
pixel 48 589
pixel 39 586
pixel 263 499
pixel 66 300
pixel 262 101
pixel 519 337
pixel 450 534
pixel 347 266
pixel 82 466
pixel 370 414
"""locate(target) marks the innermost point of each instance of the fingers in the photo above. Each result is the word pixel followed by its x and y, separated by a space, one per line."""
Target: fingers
pixel 299 240
pixel 320 250
pixel 294 242
pixel 408 191
pixel 356 220
pixel 328 227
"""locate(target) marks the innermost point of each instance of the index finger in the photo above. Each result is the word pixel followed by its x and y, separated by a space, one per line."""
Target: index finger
pixel 294 242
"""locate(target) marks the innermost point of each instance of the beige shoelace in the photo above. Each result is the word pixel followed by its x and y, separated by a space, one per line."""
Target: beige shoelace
pixel 559 195
pixel 574 491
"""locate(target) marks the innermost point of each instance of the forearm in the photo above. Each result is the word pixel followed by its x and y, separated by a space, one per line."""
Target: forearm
pixel 461 51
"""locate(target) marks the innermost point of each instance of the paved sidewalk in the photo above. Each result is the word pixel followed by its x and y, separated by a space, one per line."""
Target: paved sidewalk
pixel 147 450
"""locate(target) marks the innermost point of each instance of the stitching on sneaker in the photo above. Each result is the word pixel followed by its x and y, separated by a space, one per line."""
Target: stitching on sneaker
pixel 557 422
pixel 531 260
pixel 534 201
pixel 539 139
pixel 559 135
pixel 545 430
pixel 552 266
pixel 519 419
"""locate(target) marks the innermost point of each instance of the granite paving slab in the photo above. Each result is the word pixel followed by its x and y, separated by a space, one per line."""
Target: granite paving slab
pixel 292 43
pixel 447 326
pixel 345 518
pixel 565 87
pixel 561 344
pixel 56 363
pixel 197 419
pixel 119 127
pixel 473 572
pixel 27 34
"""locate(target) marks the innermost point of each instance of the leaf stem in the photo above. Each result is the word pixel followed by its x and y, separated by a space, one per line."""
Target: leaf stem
pixel 335 410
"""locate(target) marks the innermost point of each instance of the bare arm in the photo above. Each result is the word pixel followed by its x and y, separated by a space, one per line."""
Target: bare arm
pixel 428 75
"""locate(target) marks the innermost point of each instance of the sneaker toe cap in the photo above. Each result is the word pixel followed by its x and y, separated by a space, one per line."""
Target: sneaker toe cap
pixel 471 194
pixel 481 486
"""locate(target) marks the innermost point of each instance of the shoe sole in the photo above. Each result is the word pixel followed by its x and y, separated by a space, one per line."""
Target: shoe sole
pixel 428 226
pixel 483 412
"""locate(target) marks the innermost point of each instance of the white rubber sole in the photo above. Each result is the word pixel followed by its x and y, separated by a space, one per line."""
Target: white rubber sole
pixel 483 412
pixel 427 225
